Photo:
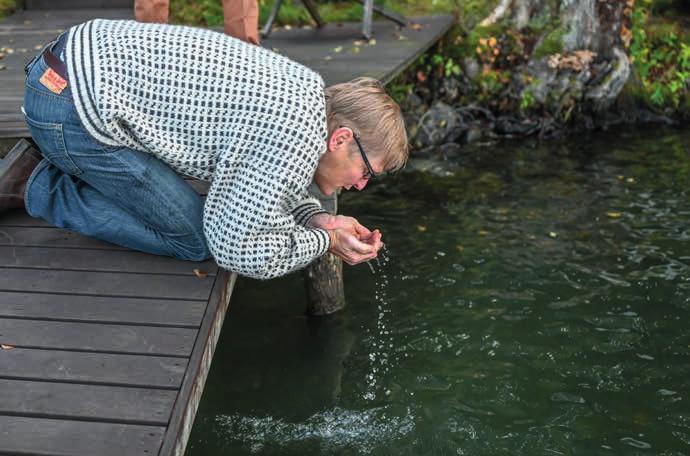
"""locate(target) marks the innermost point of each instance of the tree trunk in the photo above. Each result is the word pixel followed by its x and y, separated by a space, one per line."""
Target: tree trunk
pixel 323 278
pixel 325 288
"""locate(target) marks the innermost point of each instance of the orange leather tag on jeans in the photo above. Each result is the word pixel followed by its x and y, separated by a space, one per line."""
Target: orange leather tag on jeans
pixel 53 81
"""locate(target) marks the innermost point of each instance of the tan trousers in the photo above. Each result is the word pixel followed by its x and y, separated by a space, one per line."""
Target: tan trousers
pixel 241 17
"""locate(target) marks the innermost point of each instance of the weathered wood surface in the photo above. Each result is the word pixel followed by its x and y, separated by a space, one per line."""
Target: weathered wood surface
pixel 106 350
pixel 330 50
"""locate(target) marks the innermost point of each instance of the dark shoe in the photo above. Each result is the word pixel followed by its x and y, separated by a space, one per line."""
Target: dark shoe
pixel 15 170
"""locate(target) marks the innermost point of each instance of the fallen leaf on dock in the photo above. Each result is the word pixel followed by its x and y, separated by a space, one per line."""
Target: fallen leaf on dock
pixel 337 49
pixel 416 26
pixel 6 346
pixel 614 214
pixel 38 47
pixel 358 42
pixel 200 273
pixel 372 42
pixel 355 50
pixel 328 57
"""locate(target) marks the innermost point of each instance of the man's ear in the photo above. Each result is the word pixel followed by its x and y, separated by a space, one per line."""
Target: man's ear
pixel 340 136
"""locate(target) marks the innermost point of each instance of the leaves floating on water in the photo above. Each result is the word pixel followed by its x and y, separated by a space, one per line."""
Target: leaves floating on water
pixel 483 232
pixel 614 214
pixel 553 234
pixel 421 228
pixel 6 346
pixel 200 273
pixel 460 248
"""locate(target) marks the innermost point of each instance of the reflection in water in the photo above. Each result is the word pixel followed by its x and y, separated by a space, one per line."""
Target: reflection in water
pixel 536 303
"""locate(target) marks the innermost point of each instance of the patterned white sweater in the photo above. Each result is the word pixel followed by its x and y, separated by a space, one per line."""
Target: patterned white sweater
pixel 248 120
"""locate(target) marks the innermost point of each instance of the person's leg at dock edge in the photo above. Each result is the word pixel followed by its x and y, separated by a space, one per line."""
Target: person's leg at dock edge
pixel 241 17
pixel 116 194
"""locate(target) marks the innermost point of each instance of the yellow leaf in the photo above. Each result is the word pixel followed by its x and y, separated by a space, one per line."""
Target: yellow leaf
pixel 483 232
pixel 460 248
pixel 6 346
pixel 415 26
pixel 492 41
pixel 328 57
pixel 372 42
pixel 337 49
pixel 355 50
pixel 614 214
pixel 479 50
pixel 358 42
pixel 482 41
pixel 553 234
pixel 630 180
pixel 200 273
pixel 421 228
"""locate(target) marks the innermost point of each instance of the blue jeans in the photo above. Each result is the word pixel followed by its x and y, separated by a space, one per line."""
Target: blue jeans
pixel 116 194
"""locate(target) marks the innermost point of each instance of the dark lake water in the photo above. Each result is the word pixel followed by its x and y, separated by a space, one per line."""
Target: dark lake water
pixel 536 301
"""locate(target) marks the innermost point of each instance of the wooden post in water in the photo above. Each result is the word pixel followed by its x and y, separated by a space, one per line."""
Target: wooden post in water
pixel 323 278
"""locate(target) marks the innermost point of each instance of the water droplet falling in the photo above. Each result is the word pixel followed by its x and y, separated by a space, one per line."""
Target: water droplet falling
pixel 379 359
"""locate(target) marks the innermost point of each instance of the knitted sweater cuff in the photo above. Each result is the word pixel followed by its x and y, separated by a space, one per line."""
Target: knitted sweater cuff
pixel 304 212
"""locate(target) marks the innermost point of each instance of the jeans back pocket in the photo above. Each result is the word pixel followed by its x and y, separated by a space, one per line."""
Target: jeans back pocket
pixel 51 141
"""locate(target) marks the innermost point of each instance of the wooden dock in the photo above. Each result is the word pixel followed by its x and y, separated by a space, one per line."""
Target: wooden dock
pixel 105 350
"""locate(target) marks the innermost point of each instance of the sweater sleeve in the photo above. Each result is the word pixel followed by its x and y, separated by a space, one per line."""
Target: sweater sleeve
pixel 305 207
pixel 252 225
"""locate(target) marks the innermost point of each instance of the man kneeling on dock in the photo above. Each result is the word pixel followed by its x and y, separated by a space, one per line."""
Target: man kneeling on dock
pixel 119 108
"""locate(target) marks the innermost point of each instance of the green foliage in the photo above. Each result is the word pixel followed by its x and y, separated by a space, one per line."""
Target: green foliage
pixel 7 7
pixel 551 44
pixel 399 90
pixel 527 100
pixel 661 57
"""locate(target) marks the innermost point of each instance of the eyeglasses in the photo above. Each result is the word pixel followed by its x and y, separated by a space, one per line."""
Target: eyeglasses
pixel 370 170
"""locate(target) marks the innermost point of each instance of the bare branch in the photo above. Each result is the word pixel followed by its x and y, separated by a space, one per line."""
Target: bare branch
pixel 497 13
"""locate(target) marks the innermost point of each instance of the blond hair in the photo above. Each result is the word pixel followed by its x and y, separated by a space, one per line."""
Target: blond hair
pixel 364 106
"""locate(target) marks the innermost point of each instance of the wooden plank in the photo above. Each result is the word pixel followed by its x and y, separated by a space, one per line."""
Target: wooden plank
pixel 120 339
pixel 52 237
pixel 100 260
pixel 92 368
pixel 102 309
pixel 182 419
pixel 22 435
pixel 86 402
pixel 106 284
